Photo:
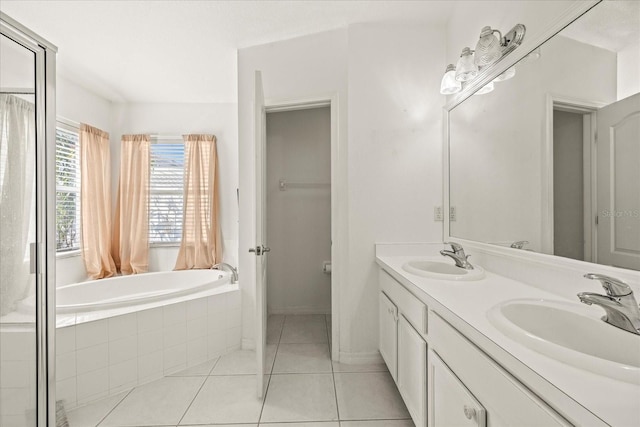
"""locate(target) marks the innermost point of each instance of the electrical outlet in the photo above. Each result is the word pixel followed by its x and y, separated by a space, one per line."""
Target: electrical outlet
pixel 452 213
pixel 438 215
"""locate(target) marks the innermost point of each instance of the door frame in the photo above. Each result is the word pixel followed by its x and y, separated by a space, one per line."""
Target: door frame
pixel 338 188
pixel 588 109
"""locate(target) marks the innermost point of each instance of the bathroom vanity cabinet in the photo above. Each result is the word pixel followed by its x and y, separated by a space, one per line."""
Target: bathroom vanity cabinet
pixel 454 382
pixel 403 345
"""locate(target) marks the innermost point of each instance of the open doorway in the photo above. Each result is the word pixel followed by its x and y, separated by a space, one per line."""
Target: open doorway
pixel 298 207
pixel 572 174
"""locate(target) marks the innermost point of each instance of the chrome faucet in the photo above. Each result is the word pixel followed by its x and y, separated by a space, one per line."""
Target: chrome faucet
pixel 620 305
pixel 519 244
pixel 234 271
pixel 457 255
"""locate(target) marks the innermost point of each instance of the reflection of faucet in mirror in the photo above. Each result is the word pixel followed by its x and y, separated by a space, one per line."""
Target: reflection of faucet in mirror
pixel 457 255
pixel 519 244
pixel 619 303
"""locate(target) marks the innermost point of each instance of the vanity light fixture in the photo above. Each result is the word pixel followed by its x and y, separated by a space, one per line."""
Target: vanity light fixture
pixel 449 83
pixel 506 75
pixel 489 50
pixel 485 89
pixel 466 69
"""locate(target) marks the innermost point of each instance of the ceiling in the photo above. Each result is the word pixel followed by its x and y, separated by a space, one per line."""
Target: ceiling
pixel 611 25
pixel 186 51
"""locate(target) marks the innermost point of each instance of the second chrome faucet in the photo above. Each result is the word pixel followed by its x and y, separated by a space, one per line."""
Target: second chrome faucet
pixel 620 305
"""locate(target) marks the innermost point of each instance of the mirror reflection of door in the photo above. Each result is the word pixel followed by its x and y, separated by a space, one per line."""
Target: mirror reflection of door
pixel 618 188
pixel 596 197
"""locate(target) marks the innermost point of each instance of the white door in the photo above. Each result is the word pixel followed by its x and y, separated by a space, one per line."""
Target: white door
pixel 618 149
pixel 260 249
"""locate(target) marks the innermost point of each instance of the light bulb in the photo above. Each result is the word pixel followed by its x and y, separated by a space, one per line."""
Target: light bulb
pixel 488 49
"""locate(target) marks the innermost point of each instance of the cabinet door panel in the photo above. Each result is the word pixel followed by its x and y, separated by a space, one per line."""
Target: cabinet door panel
pixel 388 333
pixel 451 403
pixel 412 371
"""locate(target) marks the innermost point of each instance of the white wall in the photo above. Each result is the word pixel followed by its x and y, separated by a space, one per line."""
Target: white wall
pixel 395 159
pixel 80 105
pixel 299 218
pixel 628 71
pixel 302 67
pixel 393 149
pixel 179 119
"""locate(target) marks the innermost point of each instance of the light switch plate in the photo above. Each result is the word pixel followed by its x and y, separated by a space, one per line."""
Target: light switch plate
pixel 438 215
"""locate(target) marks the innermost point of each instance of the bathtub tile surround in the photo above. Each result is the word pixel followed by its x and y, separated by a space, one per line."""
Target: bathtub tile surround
pixel 104 357
pixel 303 391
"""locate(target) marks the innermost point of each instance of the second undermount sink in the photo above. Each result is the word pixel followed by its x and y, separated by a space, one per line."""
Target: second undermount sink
pixel 440 268
pixel 572 334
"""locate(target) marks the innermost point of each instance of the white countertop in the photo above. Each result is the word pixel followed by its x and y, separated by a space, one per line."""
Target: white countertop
pixel 615 402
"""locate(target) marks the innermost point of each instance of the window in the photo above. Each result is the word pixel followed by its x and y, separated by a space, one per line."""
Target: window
pixel 166 192
pixel 67 189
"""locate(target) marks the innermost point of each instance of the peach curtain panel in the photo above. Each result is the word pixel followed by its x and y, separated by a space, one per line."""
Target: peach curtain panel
pixel 201 245
pixel 95 202
pixel 131 224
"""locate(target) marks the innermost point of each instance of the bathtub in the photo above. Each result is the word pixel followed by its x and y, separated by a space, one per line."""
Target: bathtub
pixel 114 334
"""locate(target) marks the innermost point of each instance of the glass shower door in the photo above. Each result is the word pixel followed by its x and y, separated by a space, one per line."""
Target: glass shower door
pixel 18 366
pixel 25 314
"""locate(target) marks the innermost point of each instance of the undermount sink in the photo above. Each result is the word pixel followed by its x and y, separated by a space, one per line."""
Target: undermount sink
pixel 437 268
pixel 572 334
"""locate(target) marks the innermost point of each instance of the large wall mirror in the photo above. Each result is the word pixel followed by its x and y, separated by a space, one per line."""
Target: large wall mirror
pixel 551 157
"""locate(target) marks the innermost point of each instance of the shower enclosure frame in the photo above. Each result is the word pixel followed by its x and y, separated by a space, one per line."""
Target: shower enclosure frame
pixel 43 250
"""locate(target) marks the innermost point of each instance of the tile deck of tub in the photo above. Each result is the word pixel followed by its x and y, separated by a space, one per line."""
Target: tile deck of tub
pixel 305 388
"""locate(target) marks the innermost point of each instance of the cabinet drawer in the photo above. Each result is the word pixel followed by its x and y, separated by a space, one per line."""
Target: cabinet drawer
pixel 408 304
pixel 506 400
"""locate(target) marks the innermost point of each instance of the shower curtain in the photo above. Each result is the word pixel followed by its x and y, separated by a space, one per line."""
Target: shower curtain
pixel 17 214
pixel 131 224
pixel 201 245
pixel 95 202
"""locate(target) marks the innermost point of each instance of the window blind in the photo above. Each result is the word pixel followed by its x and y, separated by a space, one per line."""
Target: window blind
pixel 166 192
pixel 67 190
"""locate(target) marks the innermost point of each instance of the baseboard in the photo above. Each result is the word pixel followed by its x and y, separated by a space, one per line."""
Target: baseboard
pixel 360 358
pixel 248 344
pixel 300 310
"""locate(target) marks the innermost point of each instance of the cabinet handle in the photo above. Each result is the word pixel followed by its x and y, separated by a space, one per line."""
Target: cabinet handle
pixel 469 412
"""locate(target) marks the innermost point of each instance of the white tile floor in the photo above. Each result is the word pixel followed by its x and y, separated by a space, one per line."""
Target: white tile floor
pixel 305 389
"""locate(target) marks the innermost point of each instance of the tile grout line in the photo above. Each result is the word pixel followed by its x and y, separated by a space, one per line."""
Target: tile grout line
pixel 266 391
pixel 115 406
pixel 194 398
